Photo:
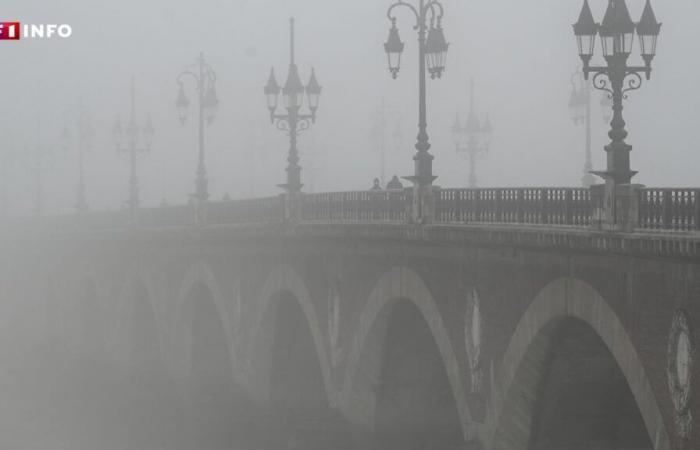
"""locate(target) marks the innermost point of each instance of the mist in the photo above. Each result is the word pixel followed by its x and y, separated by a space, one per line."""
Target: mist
pixel 519 55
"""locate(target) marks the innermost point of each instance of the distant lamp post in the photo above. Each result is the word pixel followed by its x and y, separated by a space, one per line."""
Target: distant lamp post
pixel 41 158
pixel 293 122
pixel 472 140
pixel 316 162
pixel 580 107
pixel 432 53
pixel 84 141
pixel 616 77
pixel 207 105
pixel 397 135
pixel 7 156
pixel 134 140
pixel 378 135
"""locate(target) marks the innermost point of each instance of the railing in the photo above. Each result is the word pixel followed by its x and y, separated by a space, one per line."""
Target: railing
pixel 664 210
pixel 535 206
pixel 97 220
pixel 358 206
pixel 259 210
pixel 669 209
pixel 165 216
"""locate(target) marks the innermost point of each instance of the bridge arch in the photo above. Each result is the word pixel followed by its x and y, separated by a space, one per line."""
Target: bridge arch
pixel 284 288
pixel 564 302
pixel 200 288
pixel 140 322
pixel 91 331
pixel 400 284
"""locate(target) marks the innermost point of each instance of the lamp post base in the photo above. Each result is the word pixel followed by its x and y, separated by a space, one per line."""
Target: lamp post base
pixel 617 177
pixel 82 207
pixel 423 202
pixel 588 179
pixel 615 207
pixel 200 211
pixel 291 187
pixel 421 180
pixel 292 204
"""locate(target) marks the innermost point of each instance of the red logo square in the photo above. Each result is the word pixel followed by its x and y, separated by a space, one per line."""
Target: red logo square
pixel 9 31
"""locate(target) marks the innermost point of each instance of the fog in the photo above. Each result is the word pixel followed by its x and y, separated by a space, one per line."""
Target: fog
pixel 521 56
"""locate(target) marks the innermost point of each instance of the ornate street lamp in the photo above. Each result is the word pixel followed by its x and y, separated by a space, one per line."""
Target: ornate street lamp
pixel 472 140
pixel 207 104
pixel 617 77
pixel 293 122
pixel 432 53
pixel 85 136
pixel 139 140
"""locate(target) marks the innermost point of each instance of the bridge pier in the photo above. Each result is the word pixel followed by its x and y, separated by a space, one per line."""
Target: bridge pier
pixel 422 207
pixel 615 207
pixel 292 206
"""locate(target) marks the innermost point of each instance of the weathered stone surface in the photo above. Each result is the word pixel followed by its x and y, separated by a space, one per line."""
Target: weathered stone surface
pixel 621 289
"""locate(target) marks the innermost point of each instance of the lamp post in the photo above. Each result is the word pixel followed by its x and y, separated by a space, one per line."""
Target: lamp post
pixel 85 135
pixel 378 136
pixel 580 108
pixel 473 139
pixel 293 122
pixel 581 112
pixel 397 135
pixel 139 140
pixel 40 160
pixel 316 162
pixel 617 77
pixel 432 51
pixel 256 157
pixel 207 106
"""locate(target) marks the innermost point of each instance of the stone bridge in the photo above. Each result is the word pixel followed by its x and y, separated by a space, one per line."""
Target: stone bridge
pixel 481 319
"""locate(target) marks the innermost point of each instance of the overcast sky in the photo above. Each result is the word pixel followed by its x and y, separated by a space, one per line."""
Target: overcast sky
pixel 521 54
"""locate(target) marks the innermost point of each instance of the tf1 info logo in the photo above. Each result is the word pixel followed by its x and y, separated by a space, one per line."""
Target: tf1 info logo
pixel 13 31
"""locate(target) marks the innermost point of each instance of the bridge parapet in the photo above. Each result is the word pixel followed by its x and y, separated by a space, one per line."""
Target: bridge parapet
pixel 358 206
pixel 166 216
pixel 259 210
pixel 657 210
pixel 669 209
pixel 532 206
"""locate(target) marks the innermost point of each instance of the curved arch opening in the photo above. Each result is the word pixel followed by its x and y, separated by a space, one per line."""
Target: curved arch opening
pixel 298 409
pixel 215 403
pixel 296 380
pixel 569 393
pixel 210 369
pixel 91 326
pixel 145 354
pixel 414 405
